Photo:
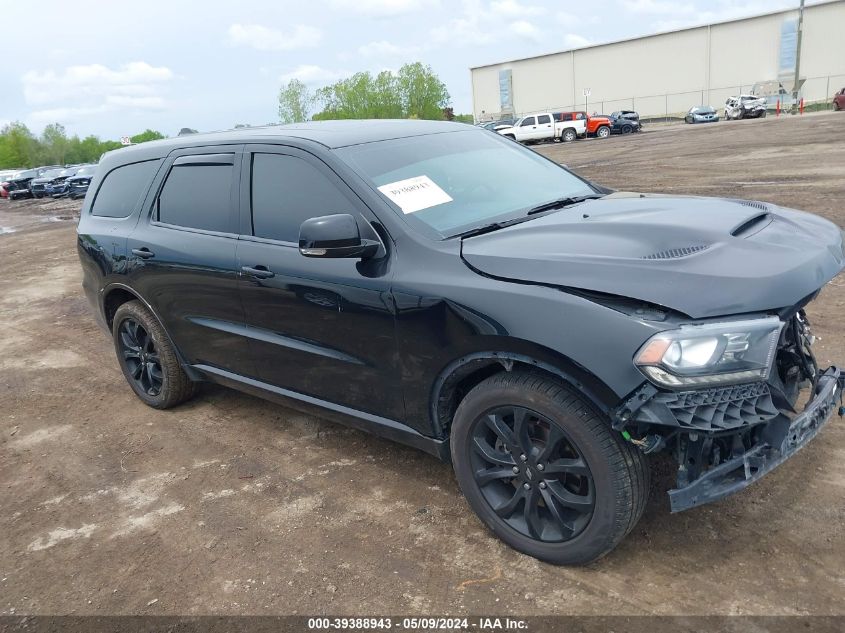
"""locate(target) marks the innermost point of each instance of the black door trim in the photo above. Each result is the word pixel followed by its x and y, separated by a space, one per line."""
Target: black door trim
pixel 377 425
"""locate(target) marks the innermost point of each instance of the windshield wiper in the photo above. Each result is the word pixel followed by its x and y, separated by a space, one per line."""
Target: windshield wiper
pixel 562 202
pixel 487 228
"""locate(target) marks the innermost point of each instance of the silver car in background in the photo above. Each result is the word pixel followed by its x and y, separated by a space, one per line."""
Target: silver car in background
pixel 702 114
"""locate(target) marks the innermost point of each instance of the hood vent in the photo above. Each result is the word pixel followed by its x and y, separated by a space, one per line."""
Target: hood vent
pixel 752 225
pixel 754 204
pixel 675 253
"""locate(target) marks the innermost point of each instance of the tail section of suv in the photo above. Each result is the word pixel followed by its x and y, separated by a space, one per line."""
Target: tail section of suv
pixel 446 288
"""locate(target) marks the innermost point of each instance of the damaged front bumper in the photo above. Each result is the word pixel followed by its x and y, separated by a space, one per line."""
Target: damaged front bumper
pixel 780 439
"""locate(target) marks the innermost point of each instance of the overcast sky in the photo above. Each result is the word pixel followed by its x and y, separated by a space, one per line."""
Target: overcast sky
pixel 114 68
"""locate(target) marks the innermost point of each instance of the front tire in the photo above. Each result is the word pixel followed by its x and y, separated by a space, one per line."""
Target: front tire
pixel 603 132
pixel 148 359
pixel 627 129
pixel 543 469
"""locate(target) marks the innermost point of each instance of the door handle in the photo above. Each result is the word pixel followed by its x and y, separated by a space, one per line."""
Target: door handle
pixel 259 272
pixel 143 252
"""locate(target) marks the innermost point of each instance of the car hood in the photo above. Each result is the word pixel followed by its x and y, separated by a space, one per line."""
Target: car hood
pixel 703 257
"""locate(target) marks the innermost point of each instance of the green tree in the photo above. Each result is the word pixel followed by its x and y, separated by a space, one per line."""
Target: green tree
pixel 147 135
pixel 424 96
pixel 18 146
pixel 54 144
pixel 295 102
pixel 414 92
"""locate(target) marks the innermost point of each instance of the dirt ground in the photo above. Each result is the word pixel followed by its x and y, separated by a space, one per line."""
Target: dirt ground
pixel 231 505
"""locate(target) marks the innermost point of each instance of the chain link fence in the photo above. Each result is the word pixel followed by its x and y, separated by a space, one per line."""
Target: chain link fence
pixel 817 93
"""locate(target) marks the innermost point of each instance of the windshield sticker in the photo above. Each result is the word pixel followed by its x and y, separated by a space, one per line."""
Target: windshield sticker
pixel 415 194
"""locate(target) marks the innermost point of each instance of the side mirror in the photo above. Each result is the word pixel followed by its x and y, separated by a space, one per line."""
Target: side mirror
pixel 334 236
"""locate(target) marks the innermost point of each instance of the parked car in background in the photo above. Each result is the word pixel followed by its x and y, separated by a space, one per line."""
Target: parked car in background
pixel 5 177
pixel 544 126
pixel 495 126
pixel 595 125
pixel 839 100
pixel 38 185
pixel 745 107
pixel 702 114
pixel 58 185
pixel 19 184
pixel 624 122
pixel 77 185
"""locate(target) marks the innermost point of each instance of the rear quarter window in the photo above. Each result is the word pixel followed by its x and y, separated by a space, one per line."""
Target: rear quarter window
pixel 122 188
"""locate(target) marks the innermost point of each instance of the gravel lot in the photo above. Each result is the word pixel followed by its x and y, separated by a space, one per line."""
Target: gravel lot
pixel 230 505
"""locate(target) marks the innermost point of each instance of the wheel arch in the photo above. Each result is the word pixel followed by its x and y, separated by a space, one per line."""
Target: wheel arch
pixel 115 295
pixel 464 373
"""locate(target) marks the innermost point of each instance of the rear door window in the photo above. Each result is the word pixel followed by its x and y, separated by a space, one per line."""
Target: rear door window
pixel 198 196
pixel 544 118
pixel 122 188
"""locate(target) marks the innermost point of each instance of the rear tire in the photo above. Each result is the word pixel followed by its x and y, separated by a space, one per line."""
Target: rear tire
pixel 568 135
pixel 578 487
pixel 627 129
pixel 147 358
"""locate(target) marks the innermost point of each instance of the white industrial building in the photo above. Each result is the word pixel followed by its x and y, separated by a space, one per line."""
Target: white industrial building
pixel 666 73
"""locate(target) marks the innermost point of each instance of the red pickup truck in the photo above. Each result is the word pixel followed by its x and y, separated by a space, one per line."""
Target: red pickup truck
pixel 596 125
pixel 839 100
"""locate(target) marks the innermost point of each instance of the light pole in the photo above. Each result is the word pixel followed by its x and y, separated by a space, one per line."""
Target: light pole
pixel 797 85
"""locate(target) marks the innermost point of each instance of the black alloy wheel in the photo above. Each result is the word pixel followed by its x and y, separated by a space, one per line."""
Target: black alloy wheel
pixel 532 474
pixel 147 357
pixel 544 470
pixel 141 357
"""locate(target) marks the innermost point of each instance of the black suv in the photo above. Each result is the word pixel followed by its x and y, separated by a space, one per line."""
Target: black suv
pixel 441 286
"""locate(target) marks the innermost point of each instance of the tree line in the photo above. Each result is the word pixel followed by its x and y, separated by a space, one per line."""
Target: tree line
pixel 19 147
pixel 414 92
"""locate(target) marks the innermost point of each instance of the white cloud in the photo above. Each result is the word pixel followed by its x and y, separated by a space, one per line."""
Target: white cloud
pixel 658 7
pixel 526 30
pixel 381 8
pixel 573 40
pixel 93 83
pixel 264 38
pixel 721 12
pixel 513 9
pixel 311 74
pixel 469 29
pixel 568 19
pixel 383 48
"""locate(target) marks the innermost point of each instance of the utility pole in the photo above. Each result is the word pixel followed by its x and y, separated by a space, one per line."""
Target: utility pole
pixel 797 85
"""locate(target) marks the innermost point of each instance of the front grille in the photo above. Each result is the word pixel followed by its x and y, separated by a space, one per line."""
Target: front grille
pixel 721 408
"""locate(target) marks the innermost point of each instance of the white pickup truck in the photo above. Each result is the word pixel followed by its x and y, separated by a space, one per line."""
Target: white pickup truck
pixel 545 126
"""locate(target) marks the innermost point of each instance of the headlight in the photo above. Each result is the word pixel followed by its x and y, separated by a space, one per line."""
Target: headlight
pixel 711 354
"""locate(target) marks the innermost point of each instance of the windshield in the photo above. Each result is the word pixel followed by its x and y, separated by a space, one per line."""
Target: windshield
pixel 84 171
pixel 703 110
pixel 451 183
